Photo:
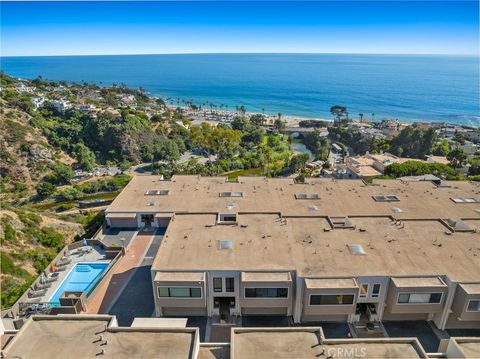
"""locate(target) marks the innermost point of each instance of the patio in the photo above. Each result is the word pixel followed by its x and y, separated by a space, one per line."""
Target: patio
pixel 39 294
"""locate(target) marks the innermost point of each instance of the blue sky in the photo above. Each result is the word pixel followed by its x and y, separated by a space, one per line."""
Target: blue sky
pixel 88 28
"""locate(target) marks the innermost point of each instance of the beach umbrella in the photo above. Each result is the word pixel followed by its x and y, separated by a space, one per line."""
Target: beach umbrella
pixel 52 267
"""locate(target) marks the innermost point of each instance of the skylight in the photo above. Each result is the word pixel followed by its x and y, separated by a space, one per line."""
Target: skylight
pixel 230 194
pixel 356 249
pixel 157 192
pixel 464 199
pixel 386 198
pixel 225 244
pixel 307 196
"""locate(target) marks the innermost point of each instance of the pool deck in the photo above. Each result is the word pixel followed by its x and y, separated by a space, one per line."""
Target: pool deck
pixel 96 255
pixel 115 281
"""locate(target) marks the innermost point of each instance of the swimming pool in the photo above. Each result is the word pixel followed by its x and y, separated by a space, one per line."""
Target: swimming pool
pixel 82 278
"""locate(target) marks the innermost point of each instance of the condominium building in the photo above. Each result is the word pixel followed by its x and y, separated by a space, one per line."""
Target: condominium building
pixel 92 336
pixel 319 251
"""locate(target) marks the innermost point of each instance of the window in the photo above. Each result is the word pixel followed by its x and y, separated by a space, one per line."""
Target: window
pixel 230 284
pixel 266 292
pixel 363 290
pixel 217 284
pixel 419 298
pixel 376 290
pixel 329 299
pixel 473 305
pixel 179 292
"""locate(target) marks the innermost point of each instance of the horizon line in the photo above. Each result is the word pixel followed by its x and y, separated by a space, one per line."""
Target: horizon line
pixel 251 53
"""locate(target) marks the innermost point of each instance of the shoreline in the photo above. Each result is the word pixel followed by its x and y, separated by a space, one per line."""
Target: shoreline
pixel 291 120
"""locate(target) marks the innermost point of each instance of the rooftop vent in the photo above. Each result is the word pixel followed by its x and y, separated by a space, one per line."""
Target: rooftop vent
pixel 230 205
pixel 386 198
pixel 464 199
pixel 396 209
pixel 457 225
pixel 157 192
pixel 151 203
pixel 312 207
pixel 225 244
pixel 230 194
pixel 340 222
pixel 307 196
pixel 356 249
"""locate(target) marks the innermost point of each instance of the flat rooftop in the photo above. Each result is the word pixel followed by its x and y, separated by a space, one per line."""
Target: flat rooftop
pixel 195 194
pixel 311 247
pixel 309 343
pixel 469 347
pixel 82 336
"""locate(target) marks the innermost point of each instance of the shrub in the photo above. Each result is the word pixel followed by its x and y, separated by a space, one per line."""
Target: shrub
pixel 10 234
pixel 45 189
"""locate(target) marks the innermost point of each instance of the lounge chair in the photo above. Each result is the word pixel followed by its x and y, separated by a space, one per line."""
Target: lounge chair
pixel 40 286
pixel 64 262
pixel 36 293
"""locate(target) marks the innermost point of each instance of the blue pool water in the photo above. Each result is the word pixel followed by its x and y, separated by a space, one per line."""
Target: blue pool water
pixel 82 277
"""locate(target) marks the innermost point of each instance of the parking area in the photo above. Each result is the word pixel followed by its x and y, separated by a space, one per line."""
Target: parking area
pixel 198 322
pixel 464 332
pixel 136 300
pixel 420 329
pixel 265 321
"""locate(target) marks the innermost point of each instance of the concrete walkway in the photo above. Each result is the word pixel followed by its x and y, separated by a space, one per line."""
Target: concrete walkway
pixel 114 283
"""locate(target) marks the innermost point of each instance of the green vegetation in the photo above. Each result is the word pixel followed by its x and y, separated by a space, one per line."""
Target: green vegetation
pixel 416 168
pixel 317 144
pixel 413 142
pixel 357 141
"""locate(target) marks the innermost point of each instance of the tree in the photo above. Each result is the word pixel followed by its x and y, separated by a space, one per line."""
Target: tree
pixel 297 163
pixel 84 156
pixel 413 142
pixel 279 125
pixel 45 189
pixel 457 157
pixel 166 150
pixel 339 112
pixel 61 174
pixel 258 119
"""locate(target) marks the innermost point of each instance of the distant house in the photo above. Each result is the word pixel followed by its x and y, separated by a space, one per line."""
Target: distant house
pixel 38 101
pixel 61 105
pixel 85 107
pixel 369 165
pixel 21 87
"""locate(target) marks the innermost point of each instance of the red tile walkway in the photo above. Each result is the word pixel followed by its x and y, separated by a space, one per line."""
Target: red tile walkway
pixel 115 281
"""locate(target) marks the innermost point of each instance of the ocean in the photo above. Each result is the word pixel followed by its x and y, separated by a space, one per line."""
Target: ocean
pixel 405 87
